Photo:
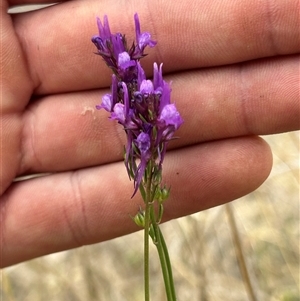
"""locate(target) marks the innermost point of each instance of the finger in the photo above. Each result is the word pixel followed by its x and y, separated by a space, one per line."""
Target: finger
pixel 58 48
pixel 64 132
pixel 16 89
pixel 63 211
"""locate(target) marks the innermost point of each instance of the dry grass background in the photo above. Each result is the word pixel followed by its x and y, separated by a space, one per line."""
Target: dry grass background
pixel 201 249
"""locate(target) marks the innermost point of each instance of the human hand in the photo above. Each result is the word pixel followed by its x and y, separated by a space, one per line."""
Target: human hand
pixel 51 82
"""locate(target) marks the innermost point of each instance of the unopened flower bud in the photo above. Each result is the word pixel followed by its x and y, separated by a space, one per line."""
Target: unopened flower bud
pixel 162 194
pixel 139 219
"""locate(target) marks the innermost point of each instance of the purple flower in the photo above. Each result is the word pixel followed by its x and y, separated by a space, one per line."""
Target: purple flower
pixel 109 100
pixel 103 39
pixel 171 116
pixel 143 142
pixel 119 113
pixel 104 30
pixel 158 81
pixel 106 103
pixel 124 61
pixel 142 39
pixel 146 87
pixel 161 86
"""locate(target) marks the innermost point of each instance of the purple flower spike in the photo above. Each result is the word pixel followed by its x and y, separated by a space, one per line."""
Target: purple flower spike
pixel 141 106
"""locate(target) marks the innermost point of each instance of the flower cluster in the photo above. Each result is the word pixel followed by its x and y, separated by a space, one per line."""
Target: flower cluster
pixel 142 106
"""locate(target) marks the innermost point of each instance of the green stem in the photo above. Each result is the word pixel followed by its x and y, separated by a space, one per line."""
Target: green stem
pixel 168 263
pixel 146 254
pixel 164 258
pixel 148 205
pixel 151 229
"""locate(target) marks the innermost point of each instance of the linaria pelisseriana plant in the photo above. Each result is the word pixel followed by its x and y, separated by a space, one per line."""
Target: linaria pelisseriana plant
pixel 149 120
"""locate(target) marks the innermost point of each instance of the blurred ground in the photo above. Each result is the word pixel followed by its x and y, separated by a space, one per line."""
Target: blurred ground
pixel 201 250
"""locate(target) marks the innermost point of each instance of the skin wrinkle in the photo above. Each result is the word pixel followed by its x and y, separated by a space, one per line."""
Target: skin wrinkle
pixel 25 61
pixel 275 19
pixel 27 143
pixel 74 240
pixel 24 46
pixel 272 10
pixel 20 30
pixel 81 225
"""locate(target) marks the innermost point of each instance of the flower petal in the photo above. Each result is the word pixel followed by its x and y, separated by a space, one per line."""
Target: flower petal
pixel 171 116
pixel 106 103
